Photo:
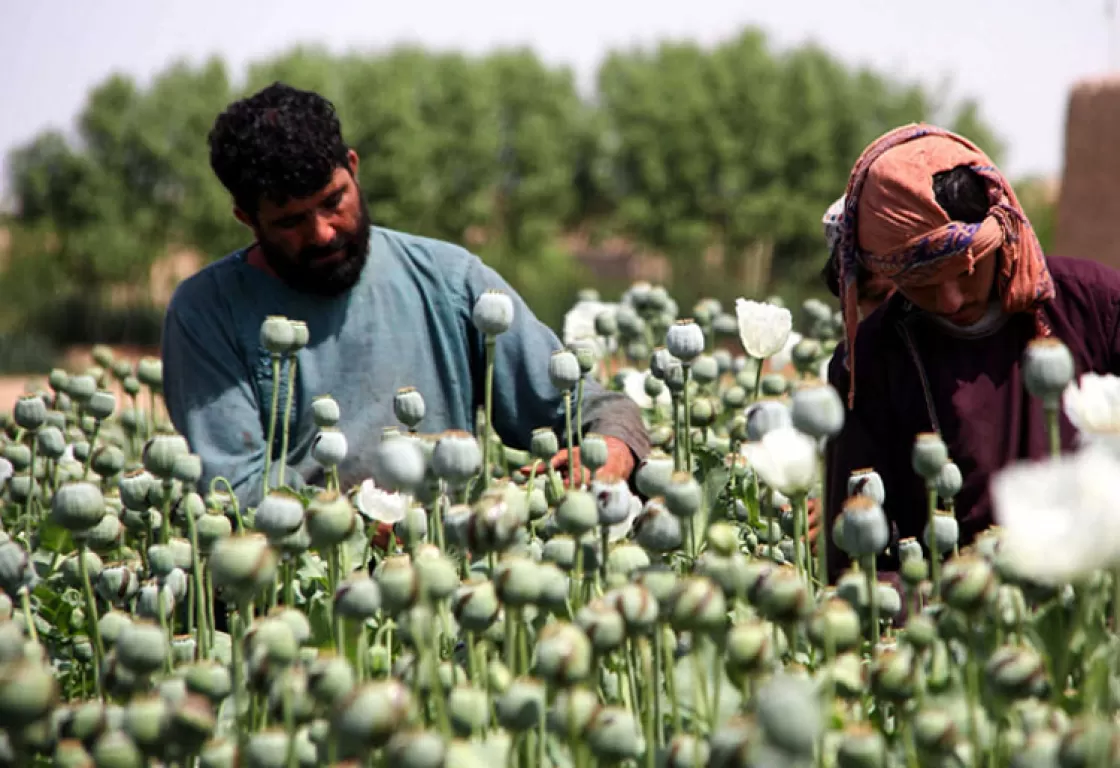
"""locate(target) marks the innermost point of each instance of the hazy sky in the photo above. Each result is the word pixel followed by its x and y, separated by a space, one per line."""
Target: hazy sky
pixel 1019 57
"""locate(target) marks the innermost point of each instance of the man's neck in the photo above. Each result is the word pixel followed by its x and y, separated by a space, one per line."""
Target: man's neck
pixel 255 258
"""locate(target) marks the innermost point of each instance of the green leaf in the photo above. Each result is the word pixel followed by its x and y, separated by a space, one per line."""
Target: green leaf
pixel 52 537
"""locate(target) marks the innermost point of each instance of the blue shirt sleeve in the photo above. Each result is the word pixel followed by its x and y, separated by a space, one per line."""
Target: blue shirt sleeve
pixel 209 394
pixel 524 397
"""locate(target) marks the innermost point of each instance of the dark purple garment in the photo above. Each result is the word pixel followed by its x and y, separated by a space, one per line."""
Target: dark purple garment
pixel 976 394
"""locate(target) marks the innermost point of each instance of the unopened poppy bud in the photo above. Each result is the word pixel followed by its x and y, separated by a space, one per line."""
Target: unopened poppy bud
pixel 325 411
pixel 893 674
pixel 145 721
pixel 705 370
pixel 107 460
pixel 867 482
pixel 968 583
pixel 469 709
pixel 330 519
pixel 942 532
pixel 637 350
pixel 279 514
pixel 329 679
pixel 699 606
pixel 134 487
pixel 155 601
pixel 563 654
pixel 544 444
pixel 243 565
pixel 593 452
pixel 605 324
pixel 476 605
pixel 603 625
pixel 142 647
pixel 1016 671
pixel 69 753
pixel 493 313
pixel 114 749
pixel 561 550
pixel 438 574
pixel 684 495
pixel 28 692
pixel 399 583
pixel 1048 369
pixel 782 595
pixel 81 387
pixel 563 370
pixel 301 335
pixel 161 452
pixel 210 679
pixel 935 731
pixel 408 406
pixel 456 458
pixel 399 465
pixel 766 416
pixel 517 581
pixel 30 412
pixel 18 455
pixel 329 447
pixel 703 413
pixel 654 474
pixel 277 335
pixel 865 529
pixel 522 705
pixel 949 481
pixel 358 597
pixel 369 716
pixel 723 538
pixel 50 442
pixel 685 340
pixel 835 625
pixel 817 411
pixel 77 506
pixel 929 456
pixel 789 712
pixel 416 749
pixel 749 649
pixel 657 529
pixel 861 746
pixel 102 404
pixel 577 512
pixel 16 570
pixel 212 528
pixel 614 735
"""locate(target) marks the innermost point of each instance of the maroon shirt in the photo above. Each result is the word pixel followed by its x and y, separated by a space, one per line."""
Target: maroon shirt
pixel 975 396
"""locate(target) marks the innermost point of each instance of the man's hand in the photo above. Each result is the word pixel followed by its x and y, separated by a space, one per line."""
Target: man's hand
pixel 620 462
pixel 814 521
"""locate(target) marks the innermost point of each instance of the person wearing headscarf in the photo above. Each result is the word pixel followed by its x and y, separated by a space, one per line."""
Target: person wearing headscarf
pixel 872 289
pixel 928 210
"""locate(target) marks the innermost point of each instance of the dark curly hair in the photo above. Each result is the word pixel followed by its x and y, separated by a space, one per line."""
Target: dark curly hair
pixel 278 144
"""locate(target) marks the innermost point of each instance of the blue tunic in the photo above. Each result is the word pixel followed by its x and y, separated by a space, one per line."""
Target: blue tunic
pixel 407 322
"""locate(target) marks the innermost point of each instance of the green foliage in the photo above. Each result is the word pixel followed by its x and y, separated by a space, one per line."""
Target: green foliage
pixel 722 159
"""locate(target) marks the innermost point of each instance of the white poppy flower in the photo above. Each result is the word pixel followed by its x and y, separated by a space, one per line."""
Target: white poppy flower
pixel 379 505
pixel 1060 518
pixel 764 328
pixel 785 460
pixel 784 356
pixel 1093 403
pixel 579 323
pixel 634 387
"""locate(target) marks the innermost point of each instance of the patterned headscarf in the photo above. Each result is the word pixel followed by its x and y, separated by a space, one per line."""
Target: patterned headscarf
pixel 893 225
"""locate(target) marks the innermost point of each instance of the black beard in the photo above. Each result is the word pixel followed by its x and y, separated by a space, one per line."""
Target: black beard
pixel 329 280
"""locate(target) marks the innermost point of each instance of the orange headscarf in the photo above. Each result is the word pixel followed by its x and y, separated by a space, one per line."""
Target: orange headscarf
pixel 893 225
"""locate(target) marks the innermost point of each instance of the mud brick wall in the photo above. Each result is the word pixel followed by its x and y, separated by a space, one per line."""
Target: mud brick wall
pixel 1088 221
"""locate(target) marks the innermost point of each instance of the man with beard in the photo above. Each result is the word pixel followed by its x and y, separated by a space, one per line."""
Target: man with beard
pixel 384 310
